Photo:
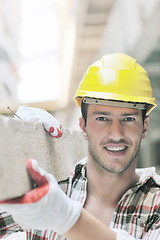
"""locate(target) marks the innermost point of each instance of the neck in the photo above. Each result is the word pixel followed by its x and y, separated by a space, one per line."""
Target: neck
pixel 109 187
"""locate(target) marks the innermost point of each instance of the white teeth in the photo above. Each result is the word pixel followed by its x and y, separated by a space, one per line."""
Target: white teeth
pixel 115 149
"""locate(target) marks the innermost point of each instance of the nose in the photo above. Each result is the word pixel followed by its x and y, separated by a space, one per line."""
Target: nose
pixel 116 131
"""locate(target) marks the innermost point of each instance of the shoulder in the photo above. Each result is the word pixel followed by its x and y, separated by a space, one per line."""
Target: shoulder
pixel 149 185
pixel 147 173
pixel 78 171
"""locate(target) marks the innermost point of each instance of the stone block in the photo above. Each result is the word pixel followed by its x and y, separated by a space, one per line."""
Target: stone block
pixel 20 140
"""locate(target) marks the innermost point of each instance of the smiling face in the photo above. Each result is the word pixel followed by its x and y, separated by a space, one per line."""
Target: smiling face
pixel 114 136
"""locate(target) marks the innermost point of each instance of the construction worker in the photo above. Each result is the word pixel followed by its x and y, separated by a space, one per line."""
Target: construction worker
pixel 107 197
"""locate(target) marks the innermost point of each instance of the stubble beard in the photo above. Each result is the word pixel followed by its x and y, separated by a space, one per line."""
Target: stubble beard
pixel 95 157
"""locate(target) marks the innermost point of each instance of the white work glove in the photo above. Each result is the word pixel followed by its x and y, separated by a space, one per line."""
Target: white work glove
pixel 45 207
pixel 50 123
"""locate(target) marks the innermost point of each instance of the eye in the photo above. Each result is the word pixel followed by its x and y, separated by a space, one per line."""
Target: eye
pixel 102 119
pixel 128 119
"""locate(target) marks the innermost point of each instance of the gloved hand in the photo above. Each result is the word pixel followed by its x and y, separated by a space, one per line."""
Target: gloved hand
pixel 50 123
pixel 45 207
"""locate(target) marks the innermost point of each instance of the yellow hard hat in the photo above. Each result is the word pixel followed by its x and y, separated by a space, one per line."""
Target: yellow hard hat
pixel 116 77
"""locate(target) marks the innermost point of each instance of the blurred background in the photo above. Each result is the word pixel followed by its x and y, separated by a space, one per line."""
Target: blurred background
pixel 47 45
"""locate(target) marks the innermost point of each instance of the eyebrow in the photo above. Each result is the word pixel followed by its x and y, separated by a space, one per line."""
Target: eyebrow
pixel 130 114
pixel 110 114
pixel 102 113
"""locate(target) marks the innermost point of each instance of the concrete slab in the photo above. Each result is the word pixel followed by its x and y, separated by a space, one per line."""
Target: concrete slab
pixel 20 140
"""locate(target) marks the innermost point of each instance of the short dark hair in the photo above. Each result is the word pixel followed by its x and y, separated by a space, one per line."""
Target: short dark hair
pixel 84 108
pixel 144 114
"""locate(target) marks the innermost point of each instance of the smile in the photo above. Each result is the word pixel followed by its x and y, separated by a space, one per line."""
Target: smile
pixel 116 149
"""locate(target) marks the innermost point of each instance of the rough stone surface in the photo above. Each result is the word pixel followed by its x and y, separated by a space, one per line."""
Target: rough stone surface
pixel 20 140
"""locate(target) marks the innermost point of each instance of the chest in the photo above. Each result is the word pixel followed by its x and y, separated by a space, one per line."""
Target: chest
pixel 136 212
pixel 100 210
pixel 130 214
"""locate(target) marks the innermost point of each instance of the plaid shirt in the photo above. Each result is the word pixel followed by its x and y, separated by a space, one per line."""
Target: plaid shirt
pixel 137 213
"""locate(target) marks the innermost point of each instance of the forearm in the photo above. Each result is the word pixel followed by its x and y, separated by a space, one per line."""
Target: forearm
pixel 88 228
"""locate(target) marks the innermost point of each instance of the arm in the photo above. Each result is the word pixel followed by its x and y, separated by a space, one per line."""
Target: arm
pixel 88 228
pixel 48 207
pixel 45 207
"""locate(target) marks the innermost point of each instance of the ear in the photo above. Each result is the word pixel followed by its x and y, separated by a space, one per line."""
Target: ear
pixel 145 127
pixel 83 127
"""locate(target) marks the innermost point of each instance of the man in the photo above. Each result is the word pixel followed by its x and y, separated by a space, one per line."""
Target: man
pixel 108 198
